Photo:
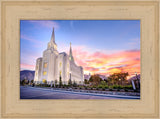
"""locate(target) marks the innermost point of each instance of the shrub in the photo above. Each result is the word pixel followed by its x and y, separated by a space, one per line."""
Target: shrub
pixel 119 87
pixel 110 89
pixel 56 86
pixel 103 83
pixel 74 84
pixel 115 86
pixel 94 86
pixel 100 86
pixel 106 86
pixel 128 87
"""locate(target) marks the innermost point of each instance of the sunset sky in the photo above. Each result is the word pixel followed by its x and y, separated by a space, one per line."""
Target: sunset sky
pixel 99 46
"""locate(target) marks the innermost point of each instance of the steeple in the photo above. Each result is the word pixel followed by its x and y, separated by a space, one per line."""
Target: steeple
pixel 52 43
pixel 70 54
pixel 53 36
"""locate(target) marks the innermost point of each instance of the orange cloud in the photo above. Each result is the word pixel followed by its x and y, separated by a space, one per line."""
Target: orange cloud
pixel 103 63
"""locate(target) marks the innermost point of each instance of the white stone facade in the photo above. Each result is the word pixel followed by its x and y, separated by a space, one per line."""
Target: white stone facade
pixel 54 65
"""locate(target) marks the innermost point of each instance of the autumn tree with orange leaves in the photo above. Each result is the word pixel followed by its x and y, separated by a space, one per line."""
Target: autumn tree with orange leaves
pixel 118 78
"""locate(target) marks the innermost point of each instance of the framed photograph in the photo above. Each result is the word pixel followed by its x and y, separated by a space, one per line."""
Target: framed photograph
pixel 93 67
pixel 80 59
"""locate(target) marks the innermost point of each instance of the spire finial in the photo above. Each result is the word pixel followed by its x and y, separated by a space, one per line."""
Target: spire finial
pixel 70 53
pixel 53 36
pixel 70 49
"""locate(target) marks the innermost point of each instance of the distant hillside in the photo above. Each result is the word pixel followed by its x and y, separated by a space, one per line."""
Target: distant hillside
pixel 28 74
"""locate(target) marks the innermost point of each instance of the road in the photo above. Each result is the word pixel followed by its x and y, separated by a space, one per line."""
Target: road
pixel 44 93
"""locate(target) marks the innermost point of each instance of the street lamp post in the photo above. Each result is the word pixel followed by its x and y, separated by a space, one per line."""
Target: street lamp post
pixel 51 83
pixel 120 82
pixel 137 80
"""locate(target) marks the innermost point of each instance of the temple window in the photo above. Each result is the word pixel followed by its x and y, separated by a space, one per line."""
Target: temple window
pixel 44 73
pixel 45 65
pixel 44 81
pixel 60 64
pixel 55 47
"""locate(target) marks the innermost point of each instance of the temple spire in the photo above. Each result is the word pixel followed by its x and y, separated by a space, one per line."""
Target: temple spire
pixel 70 53
pixel 52 43
pixel 53 36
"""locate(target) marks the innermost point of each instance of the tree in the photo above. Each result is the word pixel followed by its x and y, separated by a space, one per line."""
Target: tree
pixel 60 81
pixel 23 82
pixel 86 81
pixel 103 83
pixel 70 82
pixel 55 82
pixel 74 84
pixel 106 80
pixel 26 81
pixel 118 78
pixel 32 81
pixel 95 80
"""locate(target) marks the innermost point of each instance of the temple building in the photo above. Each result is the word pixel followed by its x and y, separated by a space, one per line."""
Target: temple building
pixel 54 66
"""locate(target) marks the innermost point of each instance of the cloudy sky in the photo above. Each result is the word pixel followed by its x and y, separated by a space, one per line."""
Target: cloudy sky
pixel 99 46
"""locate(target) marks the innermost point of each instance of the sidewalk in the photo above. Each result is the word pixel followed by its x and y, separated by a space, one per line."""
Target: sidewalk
pixel 96 91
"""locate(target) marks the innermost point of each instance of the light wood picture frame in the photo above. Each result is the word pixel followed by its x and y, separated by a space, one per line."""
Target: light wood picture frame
pixel 12 11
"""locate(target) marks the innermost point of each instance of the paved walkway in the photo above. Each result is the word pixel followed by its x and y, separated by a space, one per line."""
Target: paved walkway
pixel 43 93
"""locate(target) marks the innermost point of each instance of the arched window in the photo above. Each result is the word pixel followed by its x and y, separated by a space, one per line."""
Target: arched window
pixel 44 73
pixel 45 65
pixel 60 64
pixel 60 72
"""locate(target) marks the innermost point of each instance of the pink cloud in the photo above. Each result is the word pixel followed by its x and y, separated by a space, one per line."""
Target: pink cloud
pixel 27 66
pixel 103 63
